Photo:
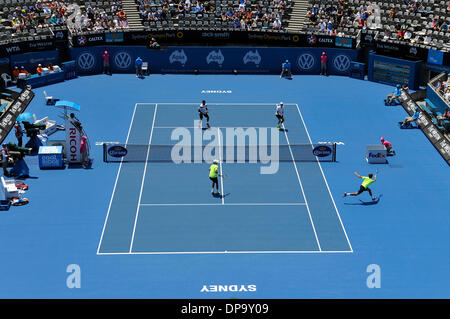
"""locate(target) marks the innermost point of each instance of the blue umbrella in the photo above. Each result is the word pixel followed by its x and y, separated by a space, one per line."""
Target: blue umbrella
pixel 67 105
pixel 25 117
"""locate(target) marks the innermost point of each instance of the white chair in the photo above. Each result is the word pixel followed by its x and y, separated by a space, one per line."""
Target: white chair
pixel 145 68
pixel 7 80
pixel 49 99
pixel 9 188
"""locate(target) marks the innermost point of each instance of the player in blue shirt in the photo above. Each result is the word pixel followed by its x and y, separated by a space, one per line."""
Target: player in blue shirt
pixel 138 65
pixel 397 93
pixel 412 118
pixel 286 69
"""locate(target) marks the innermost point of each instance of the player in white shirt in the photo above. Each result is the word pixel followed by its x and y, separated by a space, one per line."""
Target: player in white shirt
pixel 279 113
pixel 203 112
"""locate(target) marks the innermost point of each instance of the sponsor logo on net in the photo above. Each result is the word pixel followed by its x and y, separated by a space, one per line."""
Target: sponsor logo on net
pixel 322 151
pixel 117 151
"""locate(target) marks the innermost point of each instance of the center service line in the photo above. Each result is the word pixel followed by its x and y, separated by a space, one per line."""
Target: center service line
pixel 143 178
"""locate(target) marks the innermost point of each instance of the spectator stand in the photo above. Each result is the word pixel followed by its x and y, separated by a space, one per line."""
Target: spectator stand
pixel 255 15
pixel 412 22
pixel 438 100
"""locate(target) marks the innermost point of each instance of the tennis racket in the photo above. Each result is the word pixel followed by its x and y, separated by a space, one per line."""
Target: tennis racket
pixel 223 175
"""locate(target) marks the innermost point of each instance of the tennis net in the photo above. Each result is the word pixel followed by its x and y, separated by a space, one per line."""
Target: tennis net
pixel 117 152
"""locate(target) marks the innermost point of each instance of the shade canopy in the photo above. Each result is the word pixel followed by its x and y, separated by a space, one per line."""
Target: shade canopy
pixel 68 105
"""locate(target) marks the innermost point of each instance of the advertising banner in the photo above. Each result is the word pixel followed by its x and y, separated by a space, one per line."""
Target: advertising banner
pixel 8 118
pixel 428 128
pixel 218 37
pixel 31 60
pixel 27 46
pixel 214 59
pixel 73 140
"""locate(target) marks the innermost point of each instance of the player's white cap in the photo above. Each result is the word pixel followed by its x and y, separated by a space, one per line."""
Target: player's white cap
pixel 281 103
pixel 216 161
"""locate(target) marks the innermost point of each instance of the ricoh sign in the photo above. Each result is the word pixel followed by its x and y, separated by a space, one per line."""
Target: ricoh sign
pixel 73 139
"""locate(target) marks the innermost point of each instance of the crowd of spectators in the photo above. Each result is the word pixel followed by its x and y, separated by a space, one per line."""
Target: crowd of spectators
pixel 17 20
pixel 443 88
pixel 241 14
pixel 40 15
pixel 413 21
pixel 96 18
pixel 331 18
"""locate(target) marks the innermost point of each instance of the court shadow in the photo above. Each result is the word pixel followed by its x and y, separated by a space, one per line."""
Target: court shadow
pixel 363 203
pixel 80 166
pixel 284 130
pixel 24 177
pixel 218 195
pixel 408 126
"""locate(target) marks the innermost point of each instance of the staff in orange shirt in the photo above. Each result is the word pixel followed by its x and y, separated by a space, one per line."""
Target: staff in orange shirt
pixel 39 69
pixel 15 73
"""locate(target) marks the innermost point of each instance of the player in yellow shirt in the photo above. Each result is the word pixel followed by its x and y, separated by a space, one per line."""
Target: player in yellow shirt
pixel 367 180
pixel 213 173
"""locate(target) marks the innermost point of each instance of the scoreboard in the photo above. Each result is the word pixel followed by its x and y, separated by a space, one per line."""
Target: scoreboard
pixel 393 71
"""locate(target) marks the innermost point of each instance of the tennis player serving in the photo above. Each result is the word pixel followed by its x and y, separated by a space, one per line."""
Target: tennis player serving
pixel 367 180
pixel 203 112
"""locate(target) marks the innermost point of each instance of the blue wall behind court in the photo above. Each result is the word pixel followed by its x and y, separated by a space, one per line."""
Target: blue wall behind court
pixel 31 60
pixel 214 59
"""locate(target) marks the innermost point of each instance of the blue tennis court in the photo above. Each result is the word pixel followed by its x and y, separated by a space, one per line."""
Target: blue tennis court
pixel 167 208
pixel 150 229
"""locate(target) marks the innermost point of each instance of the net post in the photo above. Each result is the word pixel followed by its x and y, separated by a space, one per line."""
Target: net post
pixel 105 160
pixel 334 151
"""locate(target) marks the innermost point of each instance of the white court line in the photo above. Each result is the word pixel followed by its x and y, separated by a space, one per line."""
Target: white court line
pixel 143 178
pixel 234 252
pixel 220 163
pixel 326 183
pixel 115 183
pixel 193 127
pixel 224 204
pixel 301 187
pixel 218 104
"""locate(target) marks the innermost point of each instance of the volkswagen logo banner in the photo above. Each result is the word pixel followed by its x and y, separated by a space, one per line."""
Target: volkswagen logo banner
pixel 219 59
pixel 342 63
pixel 86 61
pixel 123 60
pixel 306 62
